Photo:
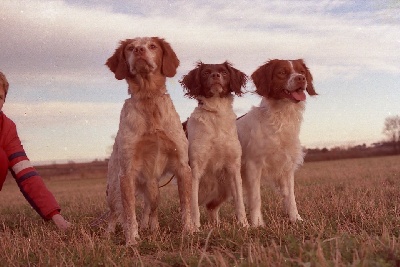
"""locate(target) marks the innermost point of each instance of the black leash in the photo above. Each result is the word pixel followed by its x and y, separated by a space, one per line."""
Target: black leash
pixel 172 177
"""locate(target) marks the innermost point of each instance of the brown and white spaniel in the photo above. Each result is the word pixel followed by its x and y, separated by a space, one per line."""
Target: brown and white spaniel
pixel 214 148
pixel 150 139
pixel 269 133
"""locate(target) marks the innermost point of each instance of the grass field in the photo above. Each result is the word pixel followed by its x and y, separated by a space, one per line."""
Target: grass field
pixel 351 212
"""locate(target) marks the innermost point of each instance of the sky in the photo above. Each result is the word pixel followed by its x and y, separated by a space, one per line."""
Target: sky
pixel 66 102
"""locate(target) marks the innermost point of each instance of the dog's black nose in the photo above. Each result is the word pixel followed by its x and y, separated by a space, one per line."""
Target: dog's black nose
pixel 215 75
pixel 139 50
pixel 300 78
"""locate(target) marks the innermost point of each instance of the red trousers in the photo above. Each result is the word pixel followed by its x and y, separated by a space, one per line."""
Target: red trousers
pixel 3 166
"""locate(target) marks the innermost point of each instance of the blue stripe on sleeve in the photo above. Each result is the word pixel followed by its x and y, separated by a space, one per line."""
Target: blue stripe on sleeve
pixel 27 176
pixel 16 155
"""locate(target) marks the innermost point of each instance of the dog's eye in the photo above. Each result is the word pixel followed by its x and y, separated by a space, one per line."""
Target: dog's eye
pixel 224 73
pixel 206 73
pixel 153 46
pixel 282 72
pixel 130 48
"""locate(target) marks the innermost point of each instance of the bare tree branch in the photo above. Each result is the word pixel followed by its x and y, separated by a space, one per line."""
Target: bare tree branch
pixel 392 130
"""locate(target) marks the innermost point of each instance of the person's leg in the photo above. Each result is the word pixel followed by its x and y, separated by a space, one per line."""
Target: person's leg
pixel 3 166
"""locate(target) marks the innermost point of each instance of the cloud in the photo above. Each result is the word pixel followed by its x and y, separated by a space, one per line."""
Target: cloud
pixel 53 53
pixel 65 113
pixel 64 130
pixel 75 40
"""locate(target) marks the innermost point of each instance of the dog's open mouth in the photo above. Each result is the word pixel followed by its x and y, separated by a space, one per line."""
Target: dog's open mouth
pixel 296 95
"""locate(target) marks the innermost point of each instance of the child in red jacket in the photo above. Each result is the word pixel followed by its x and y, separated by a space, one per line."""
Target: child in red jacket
pixel 13 158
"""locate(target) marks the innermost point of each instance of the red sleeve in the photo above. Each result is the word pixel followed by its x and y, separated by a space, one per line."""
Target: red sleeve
pixel 26 176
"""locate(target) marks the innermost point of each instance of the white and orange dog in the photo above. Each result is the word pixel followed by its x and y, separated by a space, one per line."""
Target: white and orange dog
pixel 214 148
pixel 150 139
pixel 269 134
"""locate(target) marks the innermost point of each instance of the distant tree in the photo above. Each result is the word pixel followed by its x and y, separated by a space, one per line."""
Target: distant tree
pixel 392 130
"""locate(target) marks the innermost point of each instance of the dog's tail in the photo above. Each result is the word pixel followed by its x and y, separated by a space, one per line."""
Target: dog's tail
pixel 101 219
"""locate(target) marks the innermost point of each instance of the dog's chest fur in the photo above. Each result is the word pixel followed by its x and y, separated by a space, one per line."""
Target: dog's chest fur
pixel 275 135
pixel 212 128
pixel 144 116
pixel 147 117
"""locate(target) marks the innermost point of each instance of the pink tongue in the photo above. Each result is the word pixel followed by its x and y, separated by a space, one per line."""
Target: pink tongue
pixel 299 95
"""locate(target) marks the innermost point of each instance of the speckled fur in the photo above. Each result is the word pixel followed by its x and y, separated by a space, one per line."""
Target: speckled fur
pixel 269 135
pixel 150 140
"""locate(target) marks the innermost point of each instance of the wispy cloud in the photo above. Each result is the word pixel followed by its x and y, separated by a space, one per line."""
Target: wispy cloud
pixel 53 52
pixel 65 130
pixel 55 36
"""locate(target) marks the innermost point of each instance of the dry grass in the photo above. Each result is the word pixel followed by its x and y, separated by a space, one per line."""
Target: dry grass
pixel 351 212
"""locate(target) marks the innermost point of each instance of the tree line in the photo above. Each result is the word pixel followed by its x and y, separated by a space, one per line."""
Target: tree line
pixel 389 146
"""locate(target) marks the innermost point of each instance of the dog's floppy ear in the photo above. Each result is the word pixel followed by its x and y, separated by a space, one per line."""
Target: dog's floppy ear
pixel 309 78
pixel 191 82
pixel 117 62
pixel 170 61
pixel 262 78
pixel 237 79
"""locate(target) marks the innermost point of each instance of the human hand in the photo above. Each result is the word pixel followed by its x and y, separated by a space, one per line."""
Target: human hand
pixel 61 223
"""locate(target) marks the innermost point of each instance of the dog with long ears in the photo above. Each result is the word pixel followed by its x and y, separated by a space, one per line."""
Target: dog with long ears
pixel 269 133
pixel 214 148
pixel 150 140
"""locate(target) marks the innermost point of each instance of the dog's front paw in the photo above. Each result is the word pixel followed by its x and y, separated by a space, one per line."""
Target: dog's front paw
pixel 195 229
pixel 245 224
pixel 132 240
pixel 132 243
pixel 190 228
pixel 131 236
pixel 257 221
pixel 154 226
pixel 195 226
pixel 295 218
